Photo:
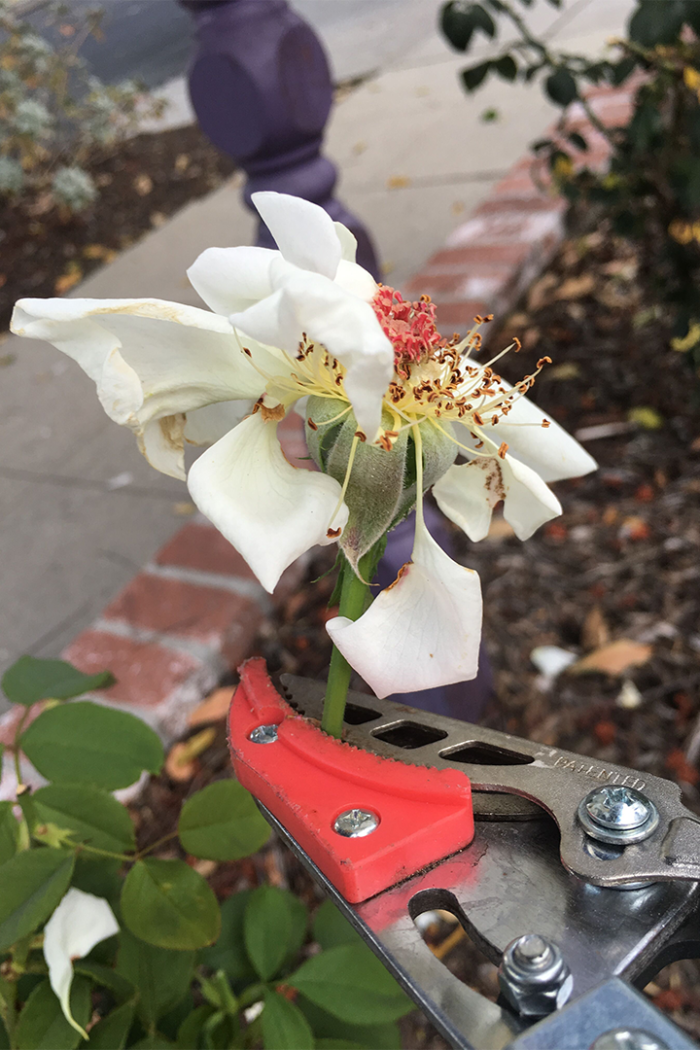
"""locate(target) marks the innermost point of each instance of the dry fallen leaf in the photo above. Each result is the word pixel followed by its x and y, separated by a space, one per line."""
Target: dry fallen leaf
pixel 595 631
pixel 540 293
pixel 69 279
pixel 143 184
pixel 500 530
pixel 576 287
pixel 567 370
pixel 614 658
pixel 181 763
pixel 214 708
pixel 183 509
pixel 398 182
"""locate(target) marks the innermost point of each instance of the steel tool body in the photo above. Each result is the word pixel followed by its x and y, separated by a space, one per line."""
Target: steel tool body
pixel 579 879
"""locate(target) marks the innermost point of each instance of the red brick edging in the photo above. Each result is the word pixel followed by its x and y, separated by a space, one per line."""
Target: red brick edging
pixel 193 612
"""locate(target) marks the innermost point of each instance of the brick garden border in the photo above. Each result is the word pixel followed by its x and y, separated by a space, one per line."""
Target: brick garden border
pixel 193 612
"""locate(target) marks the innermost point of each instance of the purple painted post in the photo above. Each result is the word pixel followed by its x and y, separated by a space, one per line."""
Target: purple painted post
pixel 260 85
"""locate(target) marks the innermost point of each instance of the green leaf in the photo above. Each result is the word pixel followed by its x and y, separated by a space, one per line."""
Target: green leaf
pixel 30 680
pixel 331 928
pixel 111 1032
pixel 153 1041
pixel 459 22
pixel 561 87
pixel 162 977
pixel 506 67
pixel 9 832
pixel 168 904
pixel 121 988
pixel 189 1032
pixel 351 983
pixel 337 1044
pixel 229 952
pixel 33 883
pixel 284 1026
pixel 475 75
pixel 222 822
pixel 274 927
pixel 577 140
pixel 93 816
pixel 99 876
pixel 373 1036
pixel 41 1023
pixel 85 743
pixel 656 23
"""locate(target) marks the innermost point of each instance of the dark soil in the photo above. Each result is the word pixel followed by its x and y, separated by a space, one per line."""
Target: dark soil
pixel 621 563
pixel 44 251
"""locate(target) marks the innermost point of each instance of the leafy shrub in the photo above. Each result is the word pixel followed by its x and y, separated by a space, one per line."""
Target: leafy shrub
pixel 651 191
pixel 55 117
pixel 181 971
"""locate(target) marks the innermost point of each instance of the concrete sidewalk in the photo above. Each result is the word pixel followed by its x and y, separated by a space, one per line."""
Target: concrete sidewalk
pixel 80 510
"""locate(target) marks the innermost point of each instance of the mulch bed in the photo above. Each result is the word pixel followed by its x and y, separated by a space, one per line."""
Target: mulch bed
pixel 621 563
pixel 45 252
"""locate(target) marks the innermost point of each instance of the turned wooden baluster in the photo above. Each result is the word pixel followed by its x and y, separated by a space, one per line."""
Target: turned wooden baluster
pixel 260 85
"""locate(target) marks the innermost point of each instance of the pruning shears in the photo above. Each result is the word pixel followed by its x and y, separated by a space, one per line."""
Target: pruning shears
pixel 579 879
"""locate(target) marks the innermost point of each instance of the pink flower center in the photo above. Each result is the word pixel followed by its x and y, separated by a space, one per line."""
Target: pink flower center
pixel 409 326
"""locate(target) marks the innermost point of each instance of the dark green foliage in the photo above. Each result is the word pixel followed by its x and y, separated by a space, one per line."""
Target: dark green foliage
pixel 651 192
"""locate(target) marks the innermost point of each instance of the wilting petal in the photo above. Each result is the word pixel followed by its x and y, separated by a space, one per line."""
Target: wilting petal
pixel 206 425
pixel 232 279
pixel 423 631
pixel 270 511
pixel 79 923
pixel 149 358
pixel 466 494
pixel 304 232
pixel 340 321
pixel 162 442
pixel 551 451
pixel 463 496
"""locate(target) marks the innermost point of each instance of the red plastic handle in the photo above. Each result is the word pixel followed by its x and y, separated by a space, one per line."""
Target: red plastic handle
pixel 307 779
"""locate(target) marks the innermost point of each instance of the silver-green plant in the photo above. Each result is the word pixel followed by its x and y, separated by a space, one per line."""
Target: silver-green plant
pixel 56 118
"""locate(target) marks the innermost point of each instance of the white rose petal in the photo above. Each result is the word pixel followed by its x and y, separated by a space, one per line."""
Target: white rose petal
pixel 79 922
pixel 269 510
pixel 423 631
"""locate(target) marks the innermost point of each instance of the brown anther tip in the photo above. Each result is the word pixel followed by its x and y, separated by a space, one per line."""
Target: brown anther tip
pixel 517 345
pixel 478 319
pixel 544 361
pixel 489 317
pixel 502 451
pixel 546 423
pixel 310 423
pixel 246 351
pixel 359 434
pixel 333 534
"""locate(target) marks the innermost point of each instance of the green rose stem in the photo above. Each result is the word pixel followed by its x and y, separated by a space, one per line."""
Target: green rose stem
pixel 353 601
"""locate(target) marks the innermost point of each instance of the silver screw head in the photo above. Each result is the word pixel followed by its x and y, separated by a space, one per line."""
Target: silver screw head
pixel 628 1039
pixel 263 735
pixel 618 814
pixel 532 951
pixel 534 977
pixel 356 823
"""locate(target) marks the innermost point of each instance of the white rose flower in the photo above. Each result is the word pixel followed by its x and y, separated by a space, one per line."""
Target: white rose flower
pixel 389 404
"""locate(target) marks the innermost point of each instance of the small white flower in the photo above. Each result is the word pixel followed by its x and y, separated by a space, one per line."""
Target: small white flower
pixel 79 923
